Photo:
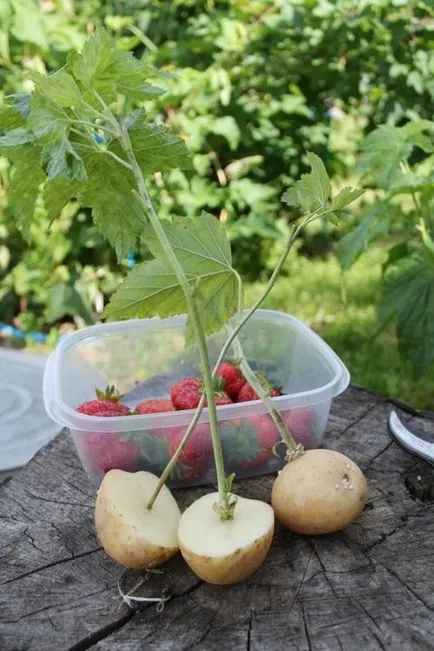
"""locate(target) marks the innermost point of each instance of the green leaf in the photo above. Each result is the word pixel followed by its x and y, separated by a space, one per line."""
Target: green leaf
pixel 59 88
pixel 150 289
pixel 24 186
pixel 47 121
pixel 10 118
pixel 203 251
pixel 27 25
pixel 353 244
pixel 156 148
pixel 408 300
pixel 62 300
pixel 61 160
pixel 346 196
pixel 95 67
pixel 57 194
pixel 312 191
pixel 14 138
pixel 228 128
pixel 116 210
pixel 132 76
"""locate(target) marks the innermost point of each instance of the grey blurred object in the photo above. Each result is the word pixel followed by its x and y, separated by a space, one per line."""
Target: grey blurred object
pixel 417 443
pixel 24 424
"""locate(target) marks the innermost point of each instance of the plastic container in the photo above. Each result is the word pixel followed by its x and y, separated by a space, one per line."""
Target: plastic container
pixel 143 358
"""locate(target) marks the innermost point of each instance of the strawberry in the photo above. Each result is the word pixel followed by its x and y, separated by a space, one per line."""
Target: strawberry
pixel 103 408
pixel 107 451
pixel 106 404
pixel 248 393
pixel 196 457
pixel 186 394
pixel 154 406
pixel 248 442
pixel 301 424
pixel 233 379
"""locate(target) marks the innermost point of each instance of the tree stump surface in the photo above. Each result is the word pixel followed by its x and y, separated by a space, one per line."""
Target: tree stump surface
pixel 370 587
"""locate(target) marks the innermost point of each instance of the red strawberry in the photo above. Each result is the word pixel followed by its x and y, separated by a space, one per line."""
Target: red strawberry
pixel 248 393
pixel 233 379
pixel 106 404
pixel 300 423
pixel 248 442
pixel 103 408
pixel 187 393
pixel 154 406
pixel 107 451
pixel 196 457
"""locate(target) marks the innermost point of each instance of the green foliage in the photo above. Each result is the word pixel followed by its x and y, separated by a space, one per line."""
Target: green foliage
pixel 255 86
pixel 403 209
pixel 203 251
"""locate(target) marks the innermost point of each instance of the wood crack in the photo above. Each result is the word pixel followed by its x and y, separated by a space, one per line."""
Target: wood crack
pixel 100 634
pixel 48 565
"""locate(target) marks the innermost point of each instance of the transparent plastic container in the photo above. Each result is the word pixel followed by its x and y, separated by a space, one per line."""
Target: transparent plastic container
pixel 144 357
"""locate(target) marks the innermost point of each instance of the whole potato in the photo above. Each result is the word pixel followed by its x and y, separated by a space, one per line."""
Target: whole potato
pixel 320 492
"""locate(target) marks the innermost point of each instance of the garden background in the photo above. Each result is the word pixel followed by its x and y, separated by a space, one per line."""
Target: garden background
pixel 254 85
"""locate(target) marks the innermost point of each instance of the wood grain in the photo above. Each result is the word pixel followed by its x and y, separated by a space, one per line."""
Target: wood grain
pixel 370 587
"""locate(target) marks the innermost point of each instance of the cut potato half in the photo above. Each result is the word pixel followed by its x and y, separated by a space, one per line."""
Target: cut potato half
pixel 131 534
pixel 225 551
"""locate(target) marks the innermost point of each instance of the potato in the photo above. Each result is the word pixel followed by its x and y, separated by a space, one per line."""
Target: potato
pixel 131 534
pixel 228 551
pixel 320 492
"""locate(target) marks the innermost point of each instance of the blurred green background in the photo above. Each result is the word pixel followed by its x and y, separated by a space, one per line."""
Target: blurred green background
pixel 257 83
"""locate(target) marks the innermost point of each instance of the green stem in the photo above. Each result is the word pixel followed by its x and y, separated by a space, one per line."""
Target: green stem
pixel 233 334
pixel 192 311
pixel 251 378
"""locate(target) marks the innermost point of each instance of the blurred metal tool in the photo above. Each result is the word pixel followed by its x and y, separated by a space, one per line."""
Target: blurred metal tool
pixel 418 443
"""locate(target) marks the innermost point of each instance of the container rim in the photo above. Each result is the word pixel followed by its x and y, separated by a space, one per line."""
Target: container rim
pixel 66 416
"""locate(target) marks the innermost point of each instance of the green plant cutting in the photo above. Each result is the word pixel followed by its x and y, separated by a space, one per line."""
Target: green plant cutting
pixel 78 137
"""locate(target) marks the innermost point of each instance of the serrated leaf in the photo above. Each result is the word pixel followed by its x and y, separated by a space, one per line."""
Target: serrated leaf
pixel 46 121
pixel 353 244
pixel 346 196
pixel 94 68
pixel 58 87
pixel 203 252
pixel 116 210
pixel 408 299
pixel 311 191
pixel 150 289
pixel 156 148
pixel 61 160
pixel 14 138
pixel 10 118
pixel 57 194
pixel 132 76
pixel 24 186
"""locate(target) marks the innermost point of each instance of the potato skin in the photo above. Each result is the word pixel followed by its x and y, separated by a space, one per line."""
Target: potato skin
pixel 320 492
pixel 233 567
pixel 122 542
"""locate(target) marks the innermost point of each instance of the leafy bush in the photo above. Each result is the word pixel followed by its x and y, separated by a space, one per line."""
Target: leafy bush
pixel 399 161
pixel 257 84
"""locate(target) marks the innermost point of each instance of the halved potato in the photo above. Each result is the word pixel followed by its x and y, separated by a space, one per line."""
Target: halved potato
pixel 131 534
pixel 228 551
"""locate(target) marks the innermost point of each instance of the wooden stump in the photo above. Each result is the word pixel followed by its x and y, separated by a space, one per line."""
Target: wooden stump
pixel 370 587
